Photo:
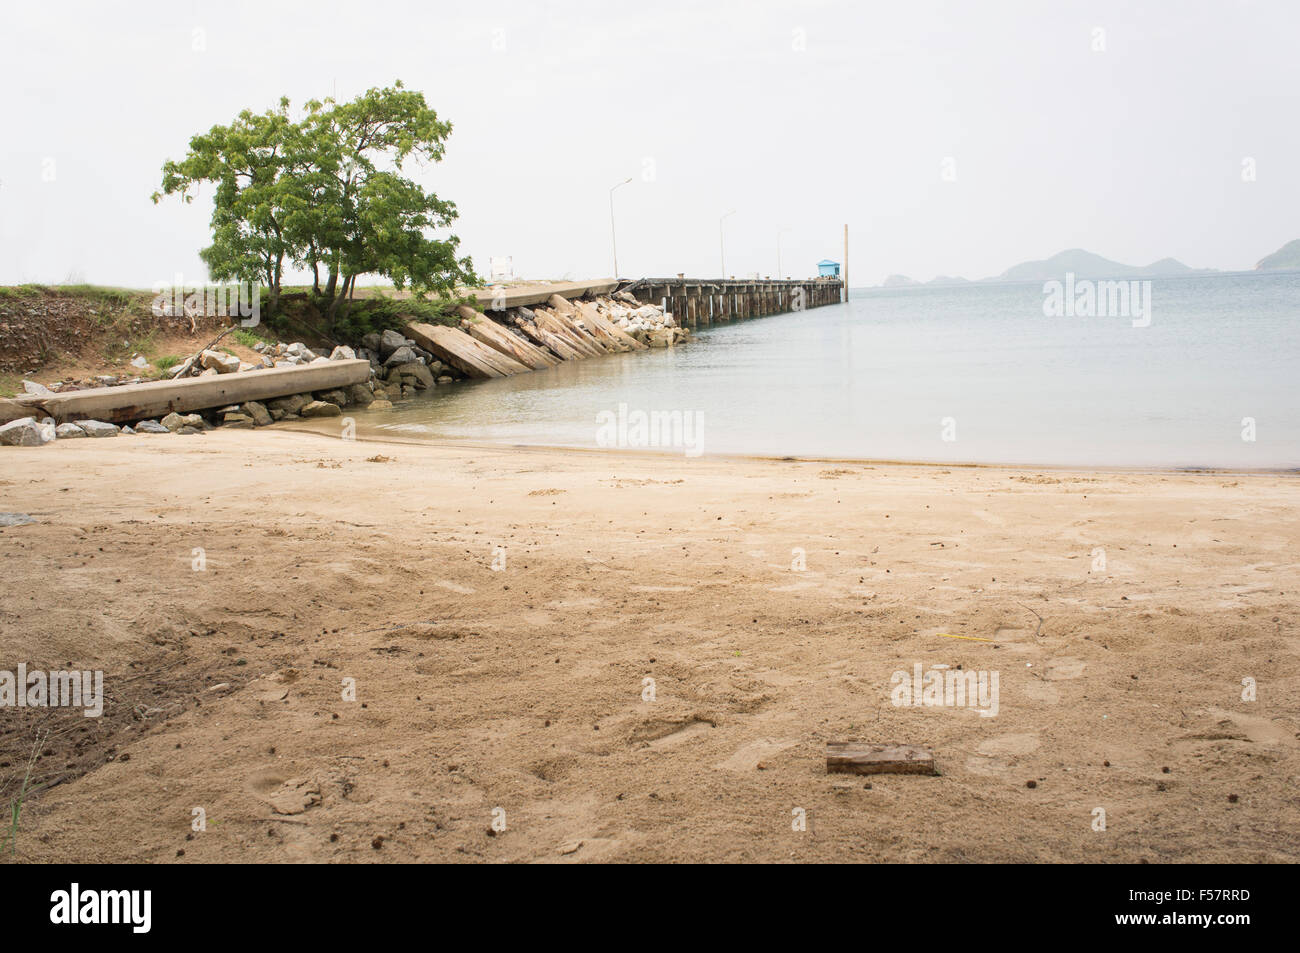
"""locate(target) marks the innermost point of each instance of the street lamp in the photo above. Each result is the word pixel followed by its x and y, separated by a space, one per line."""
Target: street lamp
pixel 722 245
pixel 613 235
pixel 783 228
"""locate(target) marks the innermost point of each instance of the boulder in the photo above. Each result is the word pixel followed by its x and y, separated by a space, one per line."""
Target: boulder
pixel 150 426
pixel 172 422
pixel 240 421
pixel 36 390
pixel 361 395
pixel 381 405
pixel 128 431
pixel 401 355
pixel 414 372
pixel 343 353
pixel 445 379
pixel 68 431
pixel 389 342
pixel 320 408
pixel 338 397
pixel 22 433
pixel 662 337
pixel 257 413
pixel 97 428
pixel 290 405
pixel 370 341
pixel 219 361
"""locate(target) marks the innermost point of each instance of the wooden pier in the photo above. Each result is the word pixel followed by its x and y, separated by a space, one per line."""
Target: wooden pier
pixel 697 301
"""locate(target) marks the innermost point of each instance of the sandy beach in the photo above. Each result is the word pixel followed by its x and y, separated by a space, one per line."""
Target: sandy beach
pixel 500 610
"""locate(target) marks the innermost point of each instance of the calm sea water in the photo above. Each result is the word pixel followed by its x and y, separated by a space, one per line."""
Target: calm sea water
pixel 892 374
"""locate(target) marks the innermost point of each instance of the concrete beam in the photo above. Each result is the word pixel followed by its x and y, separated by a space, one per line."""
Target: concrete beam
pixel 159 398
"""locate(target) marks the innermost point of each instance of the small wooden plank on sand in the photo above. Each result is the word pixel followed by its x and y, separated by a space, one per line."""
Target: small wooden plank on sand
pixel 853 757
pixel 463 352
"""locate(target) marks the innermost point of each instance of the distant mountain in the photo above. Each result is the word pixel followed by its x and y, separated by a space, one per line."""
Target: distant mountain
pixel 948 280
pixel 1286 257
pixel 1084 264
pixel 900 281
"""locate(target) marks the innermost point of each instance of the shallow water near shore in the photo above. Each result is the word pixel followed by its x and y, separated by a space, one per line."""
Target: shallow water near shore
pixel 894 373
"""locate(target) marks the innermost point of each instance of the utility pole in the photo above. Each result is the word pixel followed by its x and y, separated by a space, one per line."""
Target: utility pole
pixel 722 245
pixel 613 234
pixel 844 272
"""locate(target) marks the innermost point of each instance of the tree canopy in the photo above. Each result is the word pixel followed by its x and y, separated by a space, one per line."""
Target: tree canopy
pixel 325 194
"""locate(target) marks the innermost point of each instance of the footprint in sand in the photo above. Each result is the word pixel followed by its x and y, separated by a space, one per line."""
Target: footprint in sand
pixel 750 756
pixel 1063 668
pixel 997 755
pixel 285 792
pixel 1259 730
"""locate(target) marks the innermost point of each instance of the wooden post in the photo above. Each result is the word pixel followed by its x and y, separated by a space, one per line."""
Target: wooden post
pixel 844 272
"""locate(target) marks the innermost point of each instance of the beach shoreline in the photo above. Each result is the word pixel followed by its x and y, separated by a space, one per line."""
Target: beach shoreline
pixel 523 687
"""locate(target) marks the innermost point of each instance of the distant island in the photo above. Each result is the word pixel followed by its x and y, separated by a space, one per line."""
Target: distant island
pixel 1285 258
pixel 1086 264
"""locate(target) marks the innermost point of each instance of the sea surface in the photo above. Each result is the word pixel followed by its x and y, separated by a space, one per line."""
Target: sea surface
pixel 972 373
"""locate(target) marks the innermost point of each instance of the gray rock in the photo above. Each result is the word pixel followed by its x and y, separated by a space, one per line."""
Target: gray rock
pixel 15 519
pixel 38 390
pixel 290 405
pixel 127 431
pixel 68 431
pixel 150 426
pixel 370 341
pixel 321 408
pixel 444 379
pixel 338 397
pixel 22 433
pixel 401 355
pixel 389 342
pixel 186 430
pixel 360 394
pixel 343 353
pixel 413 373
pixel 239 421
pixel 97 428
pixel 257 412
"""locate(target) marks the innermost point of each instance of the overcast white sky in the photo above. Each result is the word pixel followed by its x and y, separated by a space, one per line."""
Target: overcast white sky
pixel 801 116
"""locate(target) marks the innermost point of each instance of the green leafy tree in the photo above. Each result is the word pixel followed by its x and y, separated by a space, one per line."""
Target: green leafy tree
pixel 326 194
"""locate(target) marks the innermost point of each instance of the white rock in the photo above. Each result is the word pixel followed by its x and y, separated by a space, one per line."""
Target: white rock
pixel 25 432
pixel 343 353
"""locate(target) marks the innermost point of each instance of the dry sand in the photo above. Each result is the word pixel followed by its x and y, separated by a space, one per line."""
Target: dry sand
pixel 522 689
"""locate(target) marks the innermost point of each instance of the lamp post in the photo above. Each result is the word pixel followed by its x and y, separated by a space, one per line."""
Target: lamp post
pixel 783 228
pixel 613 235
pixel 722 244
